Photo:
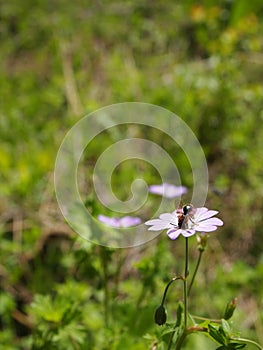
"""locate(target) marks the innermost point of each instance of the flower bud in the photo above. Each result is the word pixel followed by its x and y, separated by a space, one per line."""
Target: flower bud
pixel 230 308
pixel 202 242
pixel 160 315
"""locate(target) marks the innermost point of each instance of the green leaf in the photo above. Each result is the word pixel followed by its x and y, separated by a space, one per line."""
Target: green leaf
pixel 180 311
pixel 217 334
pixel 71 333
pixel 237 346
pixel 225 326
pixel 168 328
pixel 232 346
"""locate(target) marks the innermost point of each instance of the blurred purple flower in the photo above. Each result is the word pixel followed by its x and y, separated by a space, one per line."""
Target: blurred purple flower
pixel 126 221
pixel 200 221
pixel 168 190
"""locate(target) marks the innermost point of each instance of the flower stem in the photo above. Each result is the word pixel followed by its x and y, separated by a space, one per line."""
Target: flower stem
pixel 186 272
pixel 205 319
pixel 168 285
pixel 183 335
pixel 195 271
pixel 181 340
pixel 104 262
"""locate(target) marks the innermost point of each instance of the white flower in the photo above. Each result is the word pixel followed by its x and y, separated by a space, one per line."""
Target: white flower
pixel 201 220
pixel 125 221
pixel 167 190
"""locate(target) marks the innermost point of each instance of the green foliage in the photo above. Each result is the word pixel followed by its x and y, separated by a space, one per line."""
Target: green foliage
pixel 60 60
pixel 60 323
pixel 222 334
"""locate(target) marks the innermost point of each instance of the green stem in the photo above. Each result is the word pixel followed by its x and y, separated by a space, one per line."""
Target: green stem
pixel 244 340
pixel 195 271
pixel 167 287
pixel 181 340
pixel 120 263
pixel 104 263
pixel 186 272
pixel 205 319
pixel 163 300
pixel 184 278
pixel 171 338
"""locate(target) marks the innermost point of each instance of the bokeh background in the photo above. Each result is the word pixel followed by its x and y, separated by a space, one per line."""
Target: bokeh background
pixel 61 60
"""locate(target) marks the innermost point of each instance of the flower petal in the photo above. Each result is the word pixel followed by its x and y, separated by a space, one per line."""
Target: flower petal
pixel 209 222
pixel 167 217
pixel 157 225
pixel 212 221
pixel 200 213
pixel 158 222
pixel 157 228
pixel 206 228
pixel 188 233
pixel 207 215
pixel 113 222
pixel 153 222
pixel 128 221
pixel 168 190
pixel 156 189
pixel 171 191
pixel 173 233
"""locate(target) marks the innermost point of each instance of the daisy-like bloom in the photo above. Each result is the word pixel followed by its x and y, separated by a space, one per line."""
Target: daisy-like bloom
pixel 167 190
pixel 126 221
pixel 199 220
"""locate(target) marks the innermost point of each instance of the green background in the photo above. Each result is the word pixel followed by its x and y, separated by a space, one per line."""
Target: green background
pixel 60 60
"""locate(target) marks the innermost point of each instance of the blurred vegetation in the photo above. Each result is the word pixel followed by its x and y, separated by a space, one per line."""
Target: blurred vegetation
pixel 60 60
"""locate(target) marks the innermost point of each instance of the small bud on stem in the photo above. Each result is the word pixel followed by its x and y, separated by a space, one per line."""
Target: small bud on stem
pixel 160 315
pixel 230 308
pixel 202 241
